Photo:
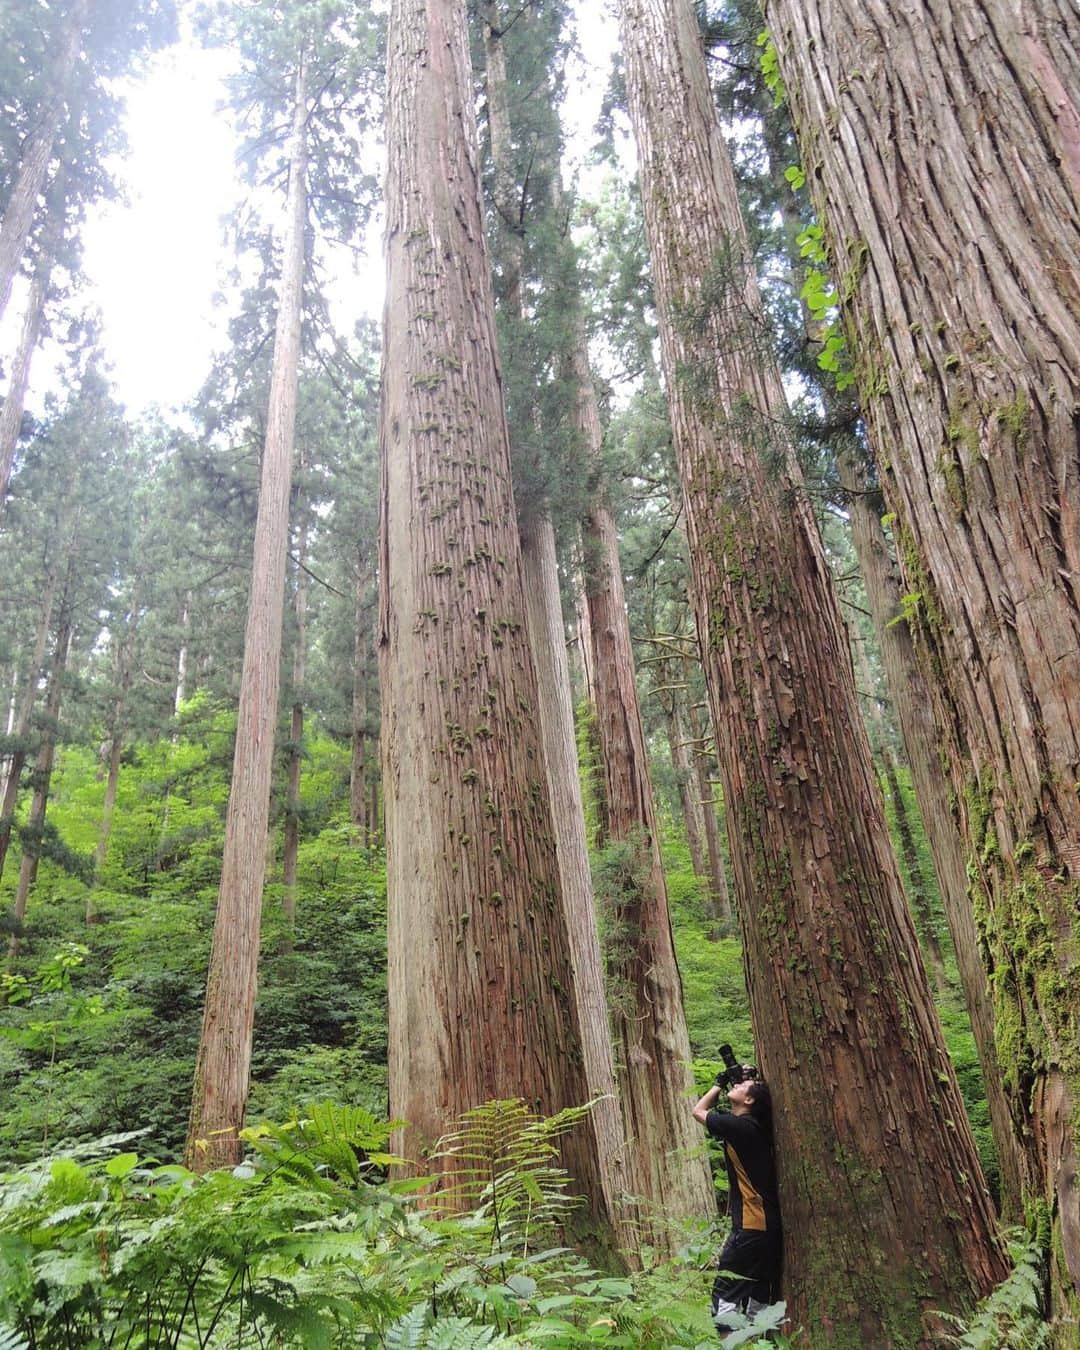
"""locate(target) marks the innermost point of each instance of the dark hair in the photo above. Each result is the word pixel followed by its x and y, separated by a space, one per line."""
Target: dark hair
pixel 761 1104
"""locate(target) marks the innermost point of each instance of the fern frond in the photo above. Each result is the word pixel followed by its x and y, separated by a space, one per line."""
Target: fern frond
pixel 501 1162
pixel 455 1333
pixel 409 1331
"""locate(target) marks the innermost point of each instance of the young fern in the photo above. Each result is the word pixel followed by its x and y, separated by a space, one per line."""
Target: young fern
pixel 415 1331
pixel 1012 1316
pixel 500 1164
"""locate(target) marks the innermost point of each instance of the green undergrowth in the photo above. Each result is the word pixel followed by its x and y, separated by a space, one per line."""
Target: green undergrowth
pixel 308 1243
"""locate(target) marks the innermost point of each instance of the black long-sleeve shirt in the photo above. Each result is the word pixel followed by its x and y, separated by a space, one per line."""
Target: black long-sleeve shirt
pixel 753 1201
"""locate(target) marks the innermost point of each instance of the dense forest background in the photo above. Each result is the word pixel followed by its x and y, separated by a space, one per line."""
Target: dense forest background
pixel 139 555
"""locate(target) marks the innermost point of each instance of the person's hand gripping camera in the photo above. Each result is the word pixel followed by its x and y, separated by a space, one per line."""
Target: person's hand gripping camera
pixel 733 1072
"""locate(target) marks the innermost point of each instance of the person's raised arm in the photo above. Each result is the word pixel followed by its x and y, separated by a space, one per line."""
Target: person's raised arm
pixel 707 1103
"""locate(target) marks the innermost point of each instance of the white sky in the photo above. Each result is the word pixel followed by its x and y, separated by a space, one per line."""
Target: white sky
pixel 155 261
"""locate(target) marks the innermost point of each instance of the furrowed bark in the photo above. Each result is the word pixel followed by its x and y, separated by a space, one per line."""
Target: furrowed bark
pixel 874 1150
pixel 223 1064
pixel 947 170
pixel 482 1003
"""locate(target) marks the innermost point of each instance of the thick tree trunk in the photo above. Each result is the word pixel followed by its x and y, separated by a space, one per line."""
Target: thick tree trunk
pixel 873 1146
pixel 649 1022
pixel 32 833
pixel 915 718
pixel 358 804
pixel 36 150
pixel 955 233
pixel 290 849
pixel 222 1068
pixel 24 717
pixel 482 1002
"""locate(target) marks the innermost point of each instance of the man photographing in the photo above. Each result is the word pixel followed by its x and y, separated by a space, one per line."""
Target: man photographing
pixel 750 1261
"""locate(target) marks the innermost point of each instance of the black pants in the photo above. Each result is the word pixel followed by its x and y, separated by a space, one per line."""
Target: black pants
pixel 749 1271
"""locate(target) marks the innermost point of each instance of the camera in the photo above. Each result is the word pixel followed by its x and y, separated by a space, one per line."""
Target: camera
pixel 733 1072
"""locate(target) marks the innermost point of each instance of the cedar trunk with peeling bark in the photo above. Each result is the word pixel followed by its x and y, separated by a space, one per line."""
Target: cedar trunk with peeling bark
pixel 653 1045
pixel 948 170
pixel 620 1160
pixel 116 752
pixel 358 803
pixel 23 717
pixel 717 873
pixel 43 766
pixel 481 994
pixel 290 848
pixel 222 1068
pixel 887 1218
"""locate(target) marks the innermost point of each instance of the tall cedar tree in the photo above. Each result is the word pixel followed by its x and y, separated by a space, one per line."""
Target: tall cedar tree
pixel 886 1214
pixel 481 992
pixel 955 234
pixel 648 1017
pixel 914 715
pixel 519 212
pixel 841 438
pixel 223 1064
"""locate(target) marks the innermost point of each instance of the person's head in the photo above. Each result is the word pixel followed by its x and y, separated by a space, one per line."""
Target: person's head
pixel 752 1097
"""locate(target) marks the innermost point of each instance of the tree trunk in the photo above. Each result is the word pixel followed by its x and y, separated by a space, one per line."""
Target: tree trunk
pixel 290 849
pixel 619 1161
pixel 873 1146
pixel 916 889
pixel 653 1047
pixel 24 718
pixel 482 1002
pixel 706 795
pixel 33 832
pixel 222 1068
pixel 915 718
pixel 116 751
pixel 358 805
pixel 954 234
pixel 620 1165
pixel 11 413
pixel 649 1022
pixel 685 779
pixel 182 656
pixel 913 715
pixel 36 152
